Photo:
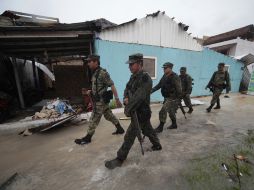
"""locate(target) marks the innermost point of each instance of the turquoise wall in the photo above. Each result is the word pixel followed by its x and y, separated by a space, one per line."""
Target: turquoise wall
pixel 200 65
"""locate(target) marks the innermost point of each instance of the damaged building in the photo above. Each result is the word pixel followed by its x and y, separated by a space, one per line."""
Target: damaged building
pixel 161 39
pixel 36 51
pixel 239 44
pixel 30 40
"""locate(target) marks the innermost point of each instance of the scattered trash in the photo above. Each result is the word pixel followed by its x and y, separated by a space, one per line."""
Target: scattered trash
pixel 230 175
pixel 194 102
pixel 70 150
pixel 210 123
pixel 236 176
pixel 25 133
pixel 59 122
pixel 8 182
pixel 54 109
pixel 244 159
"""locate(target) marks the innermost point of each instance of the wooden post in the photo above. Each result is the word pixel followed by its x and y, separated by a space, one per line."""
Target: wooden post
pixel 16 74
pixel 34 75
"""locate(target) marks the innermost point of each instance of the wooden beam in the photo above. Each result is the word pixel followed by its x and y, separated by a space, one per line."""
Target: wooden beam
pixel 51 55
pixel 22 50
pixel 43 43
pixel 39 34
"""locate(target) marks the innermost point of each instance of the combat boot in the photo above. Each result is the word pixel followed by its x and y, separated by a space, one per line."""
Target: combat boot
pixel 218 104
pixel 85 140
pixel 173 125
pixel 119 130
pixel 112 164
pixel 190 110
pixel 156 147
pixel 209 108
pixel 159 129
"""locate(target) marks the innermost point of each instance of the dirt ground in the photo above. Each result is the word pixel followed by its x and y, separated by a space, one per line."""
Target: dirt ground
pixel 51 160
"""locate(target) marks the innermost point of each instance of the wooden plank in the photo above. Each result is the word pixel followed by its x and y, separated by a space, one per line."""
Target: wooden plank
pixel 43 42
pixel 22 50
pixel 51 55
pixel 41 34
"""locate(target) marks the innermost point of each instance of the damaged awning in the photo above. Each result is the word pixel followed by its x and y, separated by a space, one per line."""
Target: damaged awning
pixel 246 59
pixel 45 70
pixel 44 39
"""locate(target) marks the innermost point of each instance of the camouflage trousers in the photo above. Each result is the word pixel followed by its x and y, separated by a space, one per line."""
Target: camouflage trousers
pixel 187 100
pixel 216 95
pixel 100 109
pixel 170 106
pixel 131 135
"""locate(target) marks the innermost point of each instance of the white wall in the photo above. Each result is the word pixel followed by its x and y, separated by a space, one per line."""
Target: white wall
pixel 159 31
pixel 244 47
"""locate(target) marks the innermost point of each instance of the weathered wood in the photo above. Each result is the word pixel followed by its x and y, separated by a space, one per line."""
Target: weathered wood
pixel 17 79
pixel 23 50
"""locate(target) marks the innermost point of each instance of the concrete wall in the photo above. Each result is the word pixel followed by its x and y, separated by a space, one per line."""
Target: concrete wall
pixel 200 65
pixel 244 47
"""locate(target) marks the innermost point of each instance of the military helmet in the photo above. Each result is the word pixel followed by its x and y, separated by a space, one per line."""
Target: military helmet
pixel 135 58
pixel 221 64
pixel 168 64
pixel 183 69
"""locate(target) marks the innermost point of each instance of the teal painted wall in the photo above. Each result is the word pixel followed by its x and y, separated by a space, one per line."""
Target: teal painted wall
pixel 200 65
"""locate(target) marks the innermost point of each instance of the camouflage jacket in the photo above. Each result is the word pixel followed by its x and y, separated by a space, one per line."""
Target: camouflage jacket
pixel 220 80
pixel 186 82
pixel 138 90
pixel 100 81
pixel 170 86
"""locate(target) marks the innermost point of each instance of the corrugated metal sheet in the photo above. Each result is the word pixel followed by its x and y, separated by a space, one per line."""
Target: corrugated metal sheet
pixel 246 59
pixel 159 30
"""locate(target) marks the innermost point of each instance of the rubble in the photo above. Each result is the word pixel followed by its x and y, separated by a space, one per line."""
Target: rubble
pixel 54 109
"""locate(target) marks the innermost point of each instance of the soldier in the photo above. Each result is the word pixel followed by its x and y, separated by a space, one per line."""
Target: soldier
pixel 186 82
pixel 171 90
pixel 219 81
pixel 100 82
pixel 139 87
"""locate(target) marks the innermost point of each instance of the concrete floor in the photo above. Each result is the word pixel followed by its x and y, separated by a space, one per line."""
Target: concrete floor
pixel 51 160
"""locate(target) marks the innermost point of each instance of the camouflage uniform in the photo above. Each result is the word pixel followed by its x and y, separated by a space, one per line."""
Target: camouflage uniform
pixel 137 99
pixel 101 97
pixel 171 91
pixel 219 81
pixel 140 86
pixel 186 82
pixel 100 82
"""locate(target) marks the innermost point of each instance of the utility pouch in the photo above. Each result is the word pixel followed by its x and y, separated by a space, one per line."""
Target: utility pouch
pixel 107 96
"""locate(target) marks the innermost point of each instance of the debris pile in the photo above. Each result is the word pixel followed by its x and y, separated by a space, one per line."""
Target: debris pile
pixel 54 109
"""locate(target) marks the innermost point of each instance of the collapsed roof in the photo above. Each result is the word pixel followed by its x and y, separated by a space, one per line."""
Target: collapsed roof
pixel 246 32
pixel 44 38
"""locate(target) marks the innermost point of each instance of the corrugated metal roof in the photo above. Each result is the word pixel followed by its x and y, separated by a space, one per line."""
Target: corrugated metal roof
pixel 246 59
pixel 157 30
pixel 246 32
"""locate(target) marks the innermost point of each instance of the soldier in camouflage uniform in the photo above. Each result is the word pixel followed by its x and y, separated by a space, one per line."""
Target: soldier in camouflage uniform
pixel 100 83
pixel 139 87
pixel 186 82
pixel 171 90
pixel 219 81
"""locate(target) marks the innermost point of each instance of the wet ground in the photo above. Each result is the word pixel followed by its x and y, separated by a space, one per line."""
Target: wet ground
pixel 51 160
